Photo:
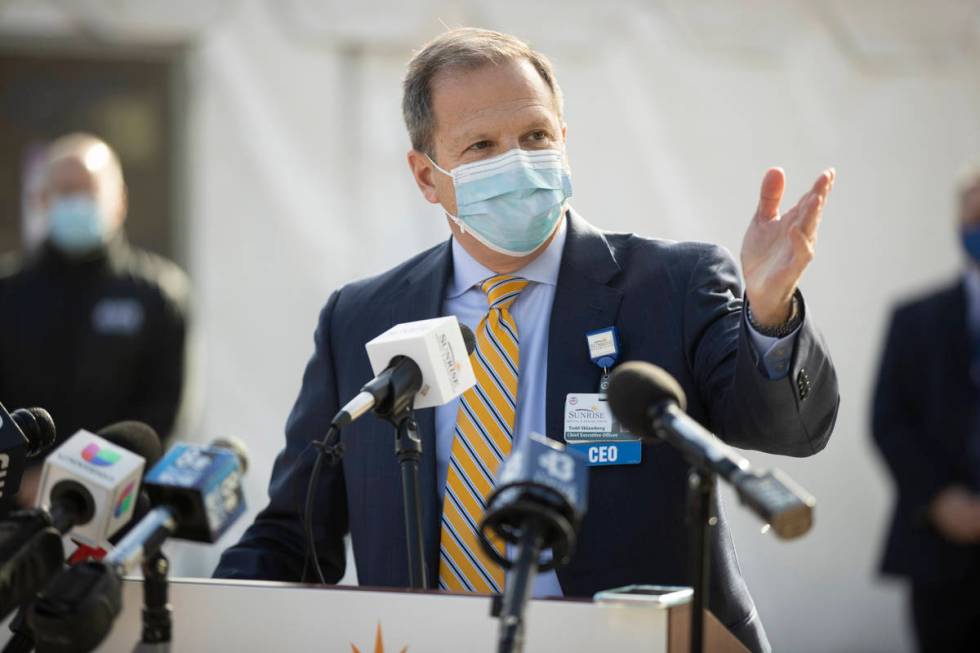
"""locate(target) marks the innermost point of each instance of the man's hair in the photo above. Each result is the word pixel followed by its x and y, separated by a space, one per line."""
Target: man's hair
pixel 461 49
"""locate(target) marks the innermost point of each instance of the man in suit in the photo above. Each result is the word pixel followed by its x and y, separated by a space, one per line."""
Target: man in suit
pixel 927 426
pixel 532 278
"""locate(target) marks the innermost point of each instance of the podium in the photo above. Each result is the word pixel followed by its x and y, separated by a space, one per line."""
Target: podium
pixel 223 615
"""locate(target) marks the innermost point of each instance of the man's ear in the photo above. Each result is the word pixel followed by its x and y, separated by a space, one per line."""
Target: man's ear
pixel 422 171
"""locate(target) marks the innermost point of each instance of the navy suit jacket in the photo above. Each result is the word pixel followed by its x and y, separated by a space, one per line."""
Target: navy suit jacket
pixel 925 410
pixel 678 305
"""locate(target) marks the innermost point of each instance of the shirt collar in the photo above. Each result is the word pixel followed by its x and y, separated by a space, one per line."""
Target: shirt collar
pixel 468 272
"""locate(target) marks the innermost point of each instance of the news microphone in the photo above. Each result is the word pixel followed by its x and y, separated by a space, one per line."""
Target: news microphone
pixel 87 489
pixel 419 364
pixel 539 503
pixel 650 403
pixel 23 434
pixel 197 494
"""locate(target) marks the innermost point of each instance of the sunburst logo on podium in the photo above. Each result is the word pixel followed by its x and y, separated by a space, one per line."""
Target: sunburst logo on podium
pixel 379 645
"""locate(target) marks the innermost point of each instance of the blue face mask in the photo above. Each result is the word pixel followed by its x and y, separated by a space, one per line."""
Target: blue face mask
pixel 76 224
pixel 511 203
pixel 971 242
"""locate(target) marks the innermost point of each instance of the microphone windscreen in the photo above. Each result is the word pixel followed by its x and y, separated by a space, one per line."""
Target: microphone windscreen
pixel 468 338
pixel 37 426
pixel 136 437
pixel 237 447
pixel 635 387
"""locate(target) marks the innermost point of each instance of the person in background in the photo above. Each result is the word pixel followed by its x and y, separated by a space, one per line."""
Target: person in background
pixel 926 423
pixel 93 328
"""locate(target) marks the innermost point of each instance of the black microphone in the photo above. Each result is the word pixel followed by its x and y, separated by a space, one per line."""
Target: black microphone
pixel 420 364
pixel 23 434
pixel 539 503
pixel 650 403
pixel 79 497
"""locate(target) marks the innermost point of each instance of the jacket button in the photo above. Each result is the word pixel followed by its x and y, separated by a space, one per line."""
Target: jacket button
pixel 803 384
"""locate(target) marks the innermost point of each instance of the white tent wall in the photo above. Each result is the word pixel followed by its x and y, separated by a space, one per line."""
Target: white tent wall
pixel 297 183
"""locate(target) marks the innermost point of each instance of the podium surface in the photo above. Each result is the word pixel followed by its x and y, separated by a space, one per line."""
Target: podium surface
pixel 223 615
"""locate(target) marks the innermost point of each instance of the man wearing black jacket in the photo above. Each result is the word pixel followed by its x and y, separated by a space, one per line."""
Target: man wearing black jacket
pixel 93 328
pixel 927 426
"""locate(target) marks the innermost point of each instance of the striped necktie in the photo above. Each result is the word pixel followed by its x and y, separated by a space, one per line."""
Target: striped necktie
pixel 484 432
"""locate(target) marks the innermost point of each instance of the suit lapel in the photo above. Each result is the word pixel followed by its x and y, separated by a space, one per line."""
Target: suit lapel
pixel 420 297
pixel 583 302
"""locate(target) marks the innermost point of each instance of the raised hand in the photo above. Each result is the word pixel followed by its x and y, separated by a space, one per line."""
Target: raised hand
pixel 777 248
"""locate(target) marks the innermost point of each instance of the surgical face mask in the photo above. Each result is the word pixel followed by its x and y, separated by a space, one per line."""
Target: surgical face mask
pixel 76 224
pixel 511 203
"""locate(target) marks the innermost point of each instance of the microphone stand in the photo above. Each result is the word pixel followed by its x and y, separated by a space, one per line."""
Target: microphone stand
pixel 702 480
pixel 700 492
pixel 157 621
pixel 510 638
pixel 408 449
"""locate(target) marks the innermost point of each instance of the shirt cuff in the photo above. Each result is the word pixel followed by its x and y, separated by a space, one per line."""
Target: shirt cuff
pixel 773 355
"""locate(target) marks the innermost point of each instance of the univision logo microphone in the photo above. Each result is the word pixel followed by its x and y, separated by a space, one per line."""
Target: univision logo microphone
pixel 100 457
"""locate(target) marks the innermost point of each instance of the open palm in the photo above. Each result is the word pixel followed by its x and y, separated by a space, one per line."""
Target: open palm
pixel 777 247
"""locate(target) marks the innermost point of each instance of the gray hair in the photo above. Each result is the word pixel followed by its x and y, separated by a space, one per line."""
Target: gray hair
pixel 464 48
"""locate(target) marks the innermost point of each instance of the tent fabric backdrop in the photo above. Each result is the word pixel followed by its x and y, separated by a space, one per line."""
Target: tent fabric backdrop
pixel 297 183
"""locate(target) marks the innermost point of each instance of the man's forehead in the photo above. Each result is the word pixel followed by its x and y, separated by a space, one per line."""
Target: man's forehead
pixel 473 99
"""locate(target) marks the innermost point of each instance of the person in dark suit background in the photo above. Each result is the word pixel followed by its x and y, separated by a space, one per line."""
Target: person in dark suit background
pixel 94 328
pixel 532 278
pixel 926 424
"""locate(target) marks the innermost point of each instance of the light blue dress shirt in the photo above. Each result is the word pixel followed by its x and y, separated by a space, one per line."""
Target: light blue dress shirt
pixel 532 313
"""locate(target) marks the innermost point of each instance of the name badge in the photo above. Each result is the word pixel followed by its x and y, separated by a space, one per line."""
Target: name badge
pixel 591 428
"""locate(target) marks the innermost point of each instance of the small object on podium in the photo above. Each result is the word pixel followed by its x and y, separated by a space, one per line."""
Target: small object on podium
pixel 656 595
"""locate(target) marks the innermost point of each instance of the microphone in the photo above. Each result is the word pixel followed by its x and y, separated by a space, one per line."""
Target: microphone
pixel 539 503
pixel 649 402
pixel 23 434
pixel 90 483
pixel 197 494
pixel 418 364
pixel 87 488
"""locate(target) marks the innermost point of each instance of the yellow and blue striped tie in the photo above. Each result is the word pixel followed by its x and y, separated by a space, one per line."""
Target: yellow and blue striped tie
pixel 484 432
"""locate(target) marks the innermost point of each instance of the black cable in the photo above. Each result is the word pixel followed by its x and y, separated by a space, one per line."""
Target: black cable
pixel 331 451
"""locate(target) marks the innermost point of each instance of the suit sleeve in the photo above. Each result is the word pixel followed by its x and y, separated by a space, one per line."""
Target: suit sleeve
pixel 920 470
pixel 793 415
pixel 273 547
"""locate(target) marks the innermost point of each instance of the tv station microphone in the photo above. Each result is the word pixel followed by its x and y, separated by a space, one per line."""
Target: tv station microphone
pixel 650 403
pixel 197 495
pixel 88 489
pixel 419 364
pixel 23 434
pixel 539 503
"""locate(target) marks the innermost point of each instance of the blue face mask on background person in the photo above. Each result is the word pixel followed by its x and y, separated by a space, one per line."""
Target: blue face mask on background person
pixel 971 241
pixel 76 224
pixel 511 203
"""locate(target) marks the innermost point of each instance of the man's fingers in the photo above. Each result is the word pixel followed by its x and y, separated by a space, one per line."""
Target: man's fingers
pixel 773 184
pixel 824 182
pixel 813 211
